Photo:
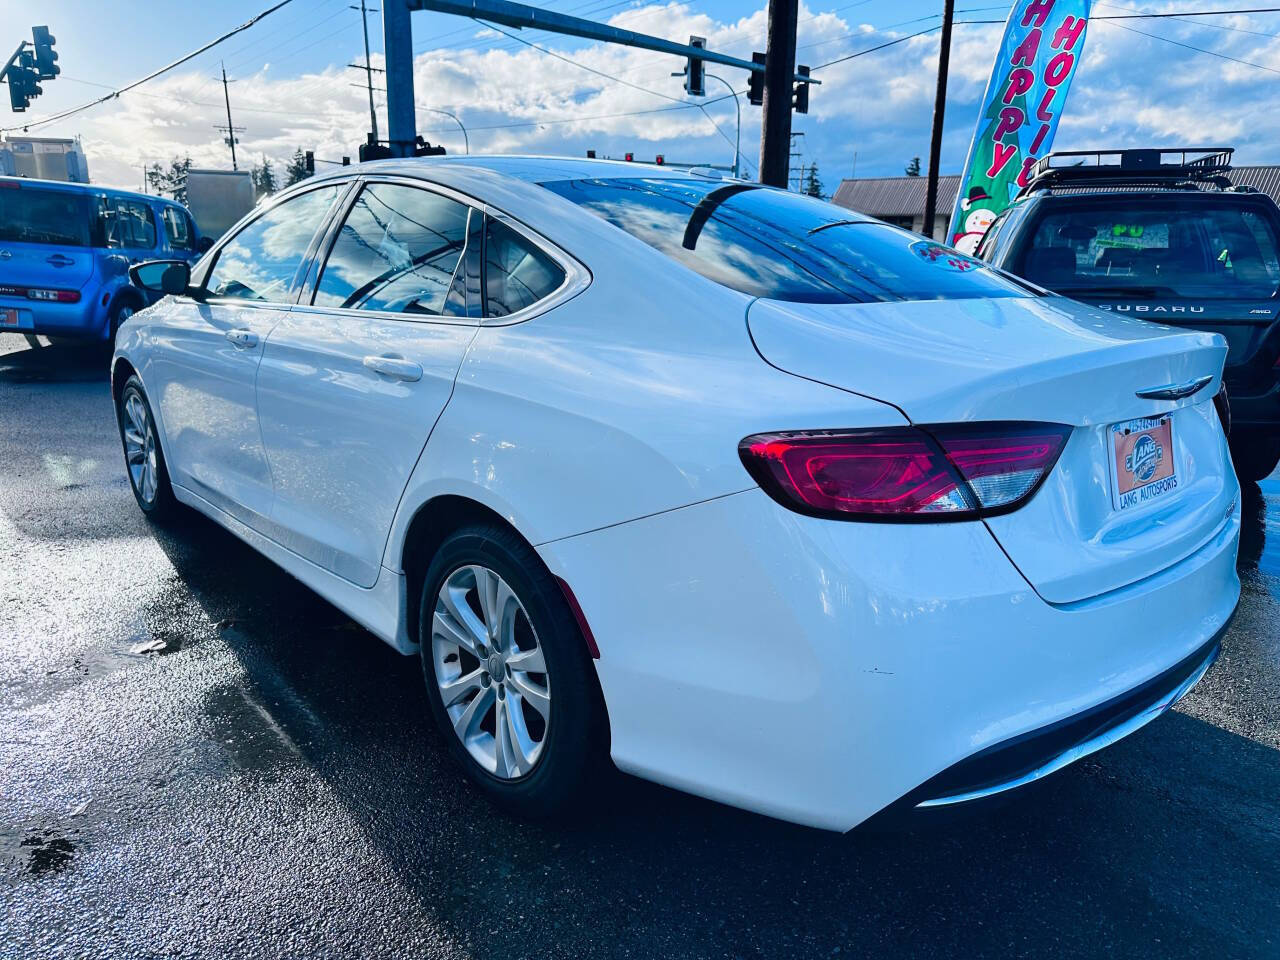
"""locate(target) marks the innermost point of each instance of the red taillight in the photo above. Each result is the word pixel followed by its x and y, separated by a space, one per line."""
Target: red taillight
pixel 905 473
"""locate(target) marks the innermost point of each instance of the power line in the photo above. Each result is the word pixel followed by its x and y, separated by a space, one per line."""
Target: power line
pixel 1188 46
pixel 151 76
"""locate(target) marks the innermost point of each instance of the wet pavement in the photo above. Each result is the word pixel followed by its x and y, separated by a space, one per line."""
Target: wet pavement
pixel 199 757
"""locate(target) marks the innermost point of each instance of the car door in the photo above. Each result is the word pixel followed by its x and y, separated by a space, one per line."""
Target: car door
pixel 352 382
pixel 206 354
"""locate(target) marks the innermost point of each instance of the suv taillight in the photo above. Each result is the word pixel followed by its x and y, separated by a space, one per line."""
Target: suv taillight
pixel 906 474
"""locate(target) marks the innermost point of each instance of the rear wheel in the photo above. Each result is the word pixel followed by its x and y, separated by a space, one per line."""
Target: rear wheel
pixel 143 456
pixel 507 674
pixel 1255 458
pixel 121 310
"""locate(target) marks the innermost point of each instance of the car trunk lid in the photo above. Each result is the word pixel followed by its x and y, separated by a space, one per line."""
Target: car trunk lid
pixel 1039 359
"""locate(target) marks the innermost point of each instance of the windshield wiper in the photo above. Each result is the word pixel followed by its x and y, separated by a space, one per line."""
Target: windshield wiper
pixel 837 223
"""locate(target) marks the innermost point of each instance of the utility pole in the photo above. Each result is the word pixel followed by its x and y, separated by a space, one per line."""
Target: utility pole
pixel 779 70
pixel 368 70
pixel 939 109
pixel 230 128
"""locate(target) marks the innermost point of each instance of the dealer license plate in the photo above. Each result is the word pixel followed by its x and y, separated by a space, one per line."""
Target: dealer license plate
pixel 1143 460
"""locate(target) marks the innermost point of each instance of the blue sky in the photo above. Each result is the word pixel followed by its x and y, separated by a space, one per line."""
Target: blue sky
pixel 292 87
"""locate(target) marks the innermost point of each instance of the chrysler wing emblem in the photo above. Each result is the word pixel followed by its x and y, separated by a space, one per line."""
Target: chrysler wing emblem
pixel 5 254
pixel 1176 391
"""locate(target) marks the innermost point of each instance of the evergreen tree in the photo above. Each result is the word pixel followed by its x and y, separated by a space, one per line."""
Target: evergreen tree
pixel 264 179
pixel 296 169
pixel 913 168
pixel 173 181
pixel 812 185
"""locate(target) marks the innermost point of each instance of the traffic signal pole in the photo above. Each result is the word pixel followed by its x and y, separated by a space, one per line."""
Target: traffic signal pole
pixel 397 43
pixel 779 71
pixel 782 42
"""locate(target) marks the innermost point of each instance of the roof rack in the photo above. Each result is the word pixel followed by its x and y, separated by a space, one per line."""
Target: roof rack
pixel 1182 167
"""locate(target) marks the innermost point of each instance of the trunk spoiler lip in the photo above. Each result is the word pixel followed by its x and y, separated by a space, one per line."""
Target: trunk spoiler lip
pixel 1176 391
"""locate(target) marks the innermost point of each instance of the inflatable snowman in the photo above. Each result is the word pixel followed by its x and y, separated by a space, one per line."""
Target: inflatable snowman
pixel 978 217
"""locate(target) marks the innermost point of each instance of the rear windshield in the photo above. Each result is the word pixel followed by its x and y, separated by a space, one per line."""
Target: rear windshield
pixel 1162 246
pixel 44 216
pixel 768 243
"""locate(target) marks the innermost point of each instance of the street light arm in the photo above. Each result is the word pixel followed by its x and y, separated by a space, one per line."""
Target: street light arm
pixel 466 141
pixel 737 146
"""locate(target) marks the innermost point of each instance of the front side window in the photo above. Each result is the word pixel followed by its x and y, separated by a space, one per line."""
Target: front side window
pixel 1156 246
pixel 128 224
pixel 397 252
pixel 516 273
pixel 177 229
pixel 44 216
pixel 260 261
pixel 784 246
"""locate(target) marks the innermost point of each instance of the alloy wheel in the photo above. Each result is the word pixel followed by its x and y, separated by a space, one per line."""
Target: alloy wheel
pixel 140 446
pixel 490 671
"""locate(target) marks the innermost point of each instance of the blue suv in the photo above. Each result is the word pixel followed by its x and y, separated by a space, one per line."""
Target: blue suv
pixel 65 252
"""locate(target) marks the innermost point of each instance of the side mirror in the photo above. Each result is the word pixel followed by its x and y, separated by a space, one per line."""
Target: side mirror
pixel 162 276
pixel 204 244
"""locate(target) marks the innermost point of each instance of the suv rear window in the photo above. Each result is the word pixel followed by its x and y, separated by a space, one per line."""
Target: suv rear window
pixel 783 246
pixel 44 216
pixel 1155 246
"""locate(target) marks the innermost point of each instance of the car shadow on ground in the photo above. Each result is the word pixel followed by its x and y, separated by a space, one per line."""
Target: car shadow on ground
pixel 1161 844
pixel 64 361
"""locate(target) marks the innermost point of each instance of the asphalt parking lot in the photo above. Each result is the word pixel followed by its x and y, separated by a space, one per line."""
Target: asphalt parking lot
pixel 199 757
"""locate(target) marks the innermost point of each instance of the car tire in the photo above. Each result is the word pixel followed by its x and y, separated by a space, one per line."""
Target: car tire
pixel 143 456
pixel 121 310
pixel 1255 458
pixel 548 756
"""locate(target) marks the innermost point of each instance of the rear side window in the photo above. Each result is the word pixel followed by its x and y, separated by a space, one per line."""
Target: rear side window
pixel 177 229
pixel 44 216
pixel 128 224
pixel 260 261
pixel 397 252
pixel 769 243
pixel 1156 246
pixel 516 273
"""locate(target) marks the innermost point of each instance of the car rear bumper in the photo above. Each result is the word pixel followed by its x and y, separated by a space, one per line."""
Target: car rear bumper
pixel 86 318
pixel 819 671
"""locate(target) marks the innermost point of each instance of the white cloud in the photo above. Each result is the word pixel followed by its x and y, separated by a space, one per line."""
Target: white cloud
pixel 1130 90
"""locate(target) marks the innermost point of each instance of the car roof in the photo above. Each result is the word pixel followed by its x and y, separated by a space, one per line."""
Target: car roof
pixel 531 169
pixel 88 188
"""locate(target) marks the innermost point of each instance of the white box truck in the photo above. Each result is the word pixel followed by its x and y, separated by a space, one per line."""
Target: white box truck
pixel 218 198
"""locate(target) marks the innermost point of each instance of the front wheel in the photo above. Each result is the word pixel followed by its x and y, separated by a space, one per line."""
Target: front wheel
pixel 1255 458
pixel 507 674
pixel 143 456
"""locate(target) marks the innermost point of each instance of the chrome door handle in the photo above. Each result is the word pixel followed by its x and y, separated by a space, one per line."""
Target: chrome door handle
pixel 242 338
pixel 396 367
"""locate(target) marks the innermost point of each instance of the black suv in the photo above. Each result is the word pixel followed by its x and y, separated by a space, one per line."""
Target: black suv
pixel 1162 235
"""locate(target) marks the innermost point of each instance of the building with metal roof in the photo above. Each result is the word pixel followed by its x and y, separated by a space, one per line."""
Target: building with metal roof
pixel 900 200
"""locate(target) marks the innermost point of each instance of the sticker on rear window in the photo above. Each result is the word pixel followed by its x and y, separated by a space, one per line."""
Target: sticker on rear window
pixel 944 257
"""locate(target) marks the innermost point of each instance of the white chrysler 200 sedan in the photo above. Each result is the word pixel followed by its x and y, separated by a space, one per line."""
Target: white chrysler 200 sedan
pixel 758 497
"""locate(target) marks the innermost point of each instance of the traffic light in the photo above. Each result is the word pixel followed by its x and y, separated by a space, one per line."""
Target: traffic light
pixel 755 85
pixel 660 160
pixel 45 56
pixel 629 157
pixel 801 100
pixel 695 83
pixel 309 162
pixel 21 76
